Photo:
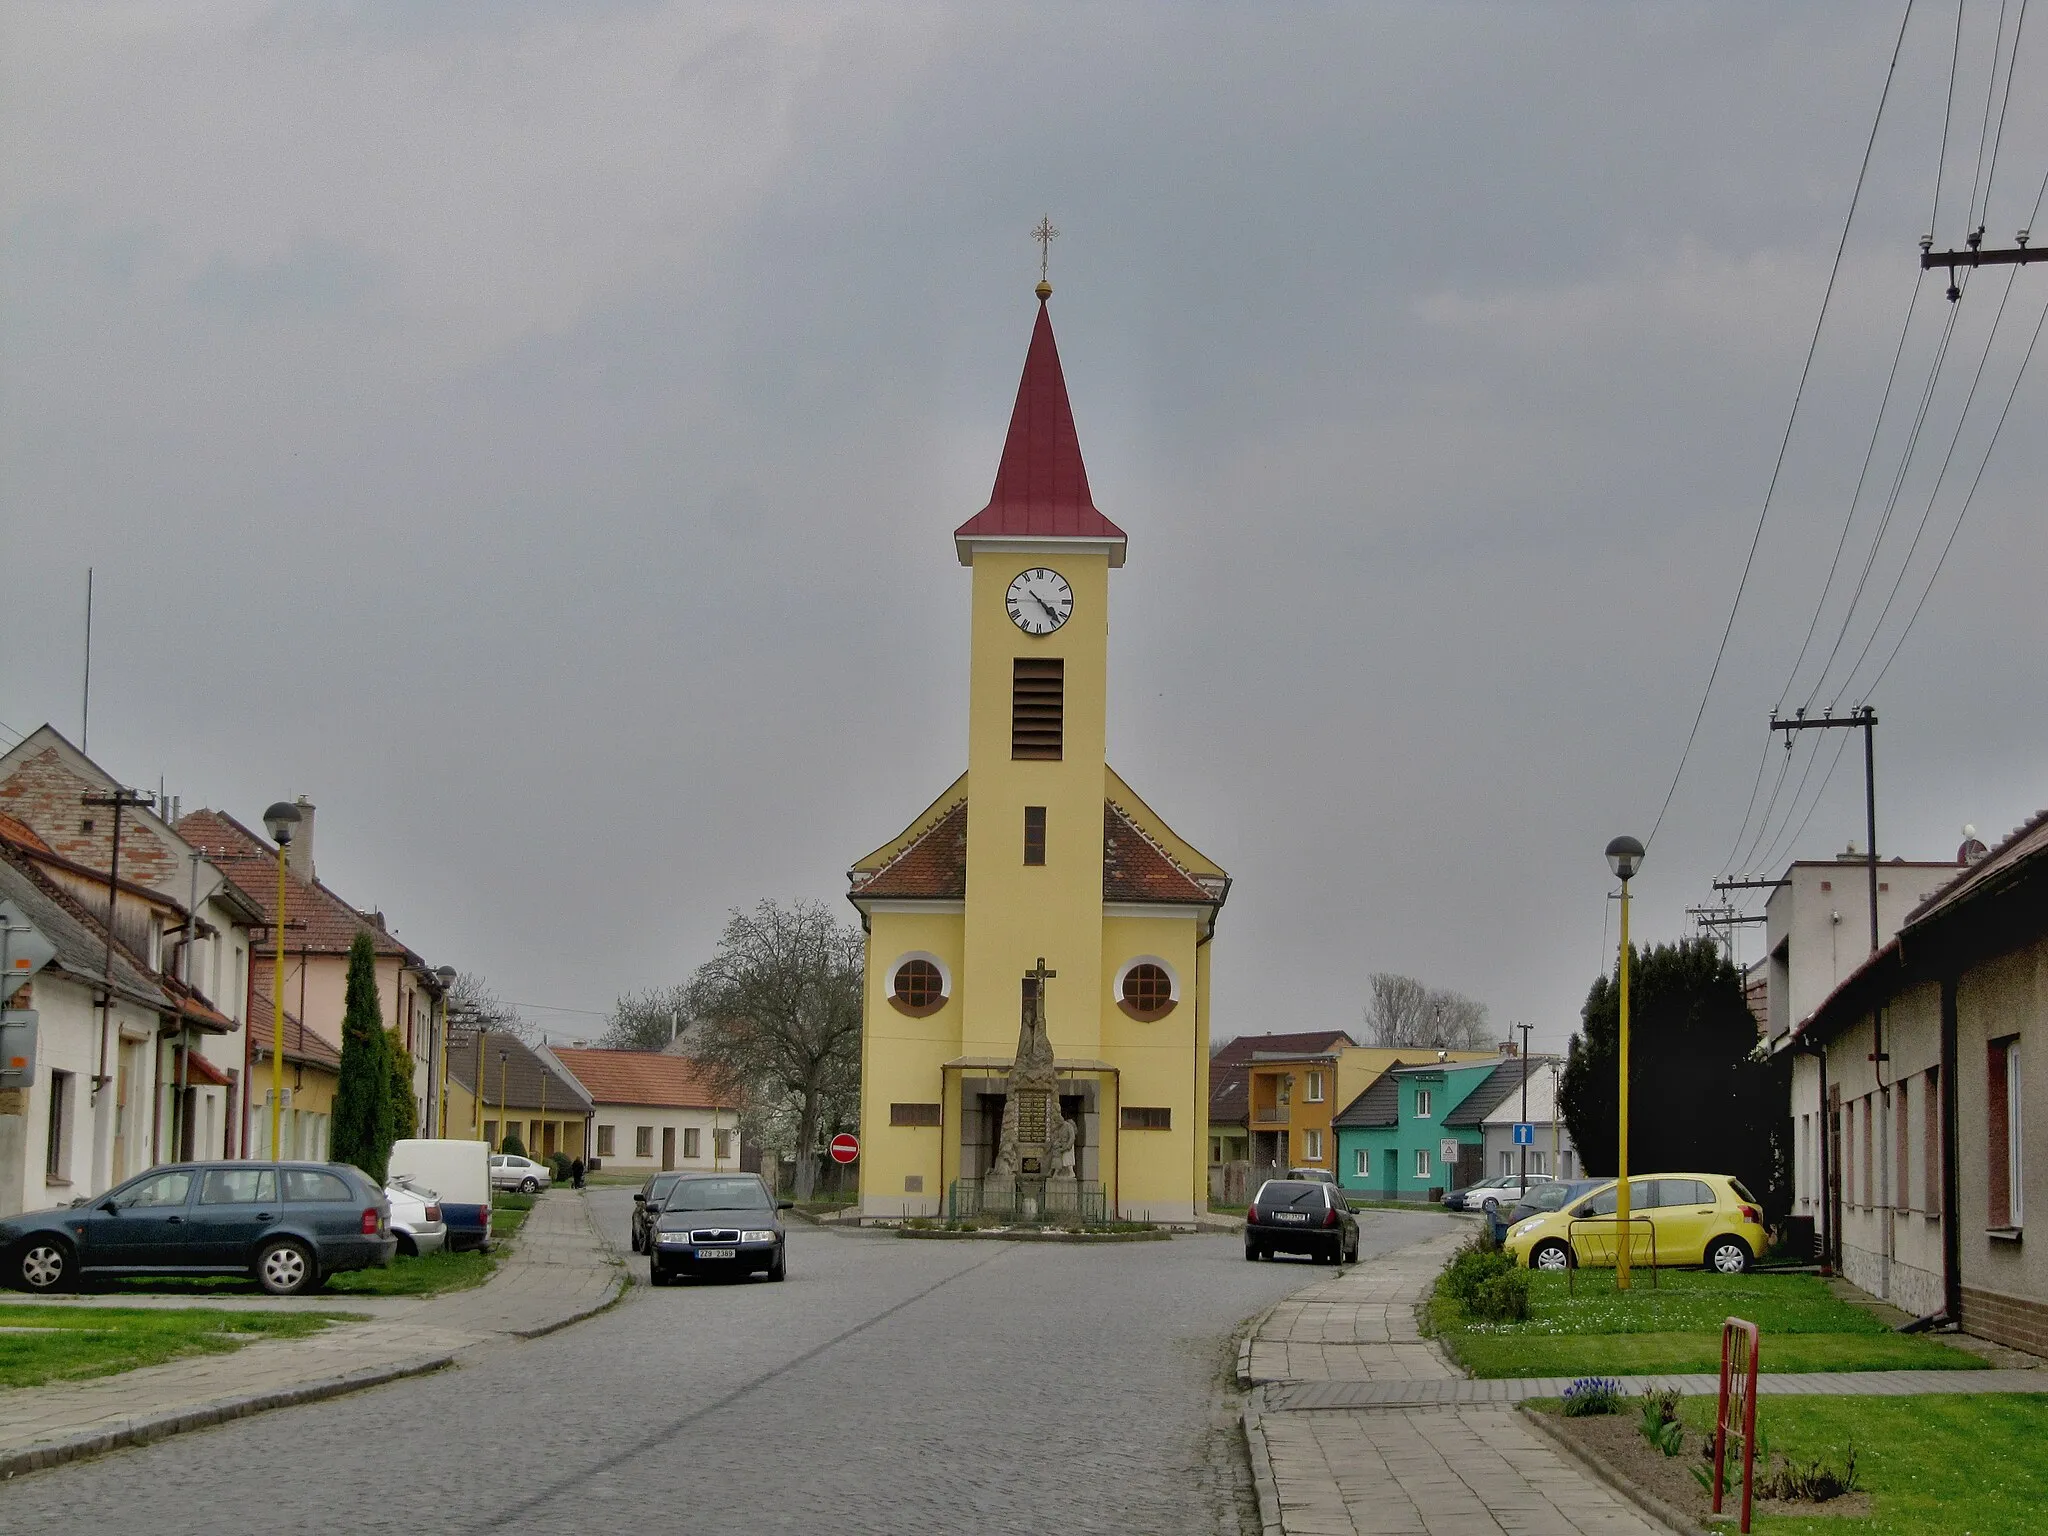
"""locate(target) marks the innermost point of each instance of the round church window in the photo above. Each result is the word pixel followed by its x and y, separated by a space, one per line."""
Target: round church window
pixel 1147 991
pixel 919 987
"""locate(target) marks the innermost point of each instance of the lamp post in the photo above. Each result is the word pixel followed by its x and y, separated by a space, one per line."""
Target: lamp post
pixel 1624 857
pixel 280 821
pixel 446 976
pixel 504 1127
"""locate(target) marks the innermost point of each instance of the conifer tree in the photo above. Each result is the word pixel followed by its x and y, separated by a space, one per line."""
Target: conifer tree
pixel 405 1109
pixel 362 1103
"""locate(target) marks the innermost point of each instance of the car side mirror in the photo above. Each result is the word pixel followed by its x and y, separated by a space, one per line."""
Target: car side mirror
pixel 638 1198
pixel 110 1208
pixel 785 1205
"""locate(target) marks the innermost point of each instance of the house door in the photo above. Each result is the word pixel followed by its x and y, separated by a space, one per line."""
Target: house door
pixel 1390 1164
pixel 1832 1195
pixel 668 1146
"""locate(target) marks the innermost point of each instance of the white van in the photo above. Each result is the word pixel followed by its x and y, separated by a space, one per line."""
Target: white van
pixel 460 1173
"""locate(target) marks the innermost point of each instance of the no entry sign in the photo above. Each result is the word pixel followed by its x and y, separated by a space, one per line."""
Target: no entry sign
pixel 845 1148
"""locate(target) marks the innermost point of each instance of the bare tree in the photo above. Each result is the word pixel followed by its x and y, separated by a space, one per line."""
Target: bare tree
pixel 472 1006
pixel 650 1020
pixel 1405 1012
pixel 775 1015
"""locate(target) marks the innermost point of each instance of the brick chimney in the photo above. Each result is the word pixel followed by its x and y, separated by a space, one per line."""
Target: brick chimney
pixel 298 855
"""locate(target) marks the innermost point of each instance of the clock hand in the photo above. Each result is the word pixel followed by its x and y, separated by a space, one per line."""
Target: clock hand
pixel 1042 603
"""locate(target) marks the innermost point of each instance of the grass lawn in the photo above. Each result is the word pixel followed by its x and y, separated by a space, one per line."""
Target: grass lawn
pixel 1676 1326
pixel 74 1343
pixel 1934 1465
pixel 426 1276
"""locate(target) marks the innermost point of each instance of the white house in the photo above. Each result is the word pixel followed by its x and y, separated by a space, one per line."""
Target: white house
pixel 653 1110
pixel 1552 1151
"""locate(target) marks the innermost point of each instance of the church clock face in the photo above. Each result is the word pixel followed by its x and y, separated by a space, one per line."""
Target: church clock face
pixel 1040 601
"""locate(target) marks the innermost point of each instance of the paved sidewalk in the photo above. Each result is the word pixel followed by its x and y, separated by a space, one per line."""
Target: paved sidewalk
pixel 559 1271
pixel 1394 1469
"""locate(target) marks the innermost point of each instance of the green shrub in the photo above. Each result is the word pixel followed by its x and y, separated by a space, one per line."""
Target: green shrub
pixel 1501 1298
pixel 1660 1424
pixel 558 1165
pixel 1474 1264
pixel 1813 1482
pixel 512 1146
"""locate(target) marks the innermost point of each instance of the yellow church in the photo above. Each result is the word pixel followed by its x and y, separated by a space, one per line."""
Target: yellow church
pixel 1039 852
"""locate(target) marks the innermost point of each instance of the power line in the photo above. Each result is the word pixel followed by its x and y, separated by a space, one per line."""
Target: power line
pixel 2011 67
pixel 1972 496
pixel 1819 794
pixel 1984 131
pixel 1948 112
pixel 1784 443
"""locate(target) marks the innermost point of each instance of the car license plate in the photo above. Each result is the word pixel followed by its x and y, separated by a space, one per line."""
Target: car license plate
pixel 1291 1216
pixel 718 1253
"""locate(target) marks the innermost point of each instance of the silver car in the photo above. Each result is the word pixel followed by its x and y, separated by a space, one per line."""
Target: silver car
pixel 509 1171
pixel 416 1218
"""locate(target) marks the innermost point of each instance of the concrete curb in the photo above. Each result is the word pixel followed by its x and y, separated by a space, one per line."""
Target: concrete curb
pixel 1648 1505
pixel 148 1428
pixel 1261 1456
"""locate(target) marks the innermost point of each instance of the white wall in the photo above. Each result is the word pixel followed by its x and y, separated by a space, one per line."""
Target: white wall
pixel 1817 927
pixel 626 1119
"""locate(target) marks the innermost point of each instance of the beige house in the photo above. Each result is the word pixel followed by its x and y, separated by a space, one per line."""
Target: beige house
pixel 1920 1106
pixel 653 1111
pixel 526 1093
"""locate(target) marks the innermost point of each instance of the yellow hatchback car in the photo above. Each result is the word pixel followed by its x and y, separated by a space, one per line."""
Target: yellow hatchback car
pixel 1684 1218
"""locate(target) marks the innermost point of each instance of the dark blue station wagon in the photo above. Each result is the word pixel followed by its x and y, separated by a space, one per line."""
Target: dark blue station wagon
pixel 288 1225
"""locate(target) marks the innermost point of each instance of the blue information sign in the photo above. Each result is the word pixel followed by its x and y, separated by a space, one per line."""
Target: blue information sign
pixel 1525 1134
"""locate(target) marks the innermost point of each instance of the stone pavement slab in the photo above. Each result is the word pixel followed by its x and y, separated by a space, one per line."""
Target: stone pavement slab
pixel 559 1271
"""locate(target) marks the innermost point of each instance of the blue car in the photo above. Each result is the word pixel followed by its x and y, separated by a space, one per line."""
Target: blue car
pixel 287 1225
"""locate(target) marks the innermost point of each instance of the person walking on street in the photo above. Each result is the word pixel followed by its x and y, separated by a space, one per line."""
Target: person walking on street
pixel 576 1172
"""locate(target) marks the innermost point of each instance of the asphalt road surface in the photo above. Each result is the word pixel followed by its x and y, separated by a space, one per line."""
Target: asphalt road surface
pixel 888 1386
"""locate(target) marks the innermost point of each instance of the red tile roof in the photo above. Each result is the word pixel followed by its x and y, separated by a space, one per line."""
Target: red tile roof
pixel 934 866
pixel 1041 489
pixel 1230 1069
pixel 642 1077
pixel 300 1043
pixel 21 834
pixel 330 924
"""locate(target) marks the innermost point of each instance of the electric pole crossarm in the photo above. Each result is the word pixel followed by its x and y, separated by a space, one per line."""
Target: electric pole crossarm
pixel 1749 885
pixel 2017 256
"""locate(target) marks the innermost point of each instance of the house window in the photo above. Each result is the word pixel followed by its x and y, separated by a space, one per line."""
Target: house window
pixel 1536 1163
pixel 1422 1103
pixel 490 1132
pixel 1930 1145
pixel 1869 1154
pixel 1422 1162
pixel 1565 1160
pixel 604 1140
pixel 57 1154
pixel 1315 1087
pixel 1359 1163
pixel 1312 1146
pixel 2003 1153
pixel 1902 1171
pixel 1034 834
pixel 918 986
pixel 721 1145
pixel 643 1141
pixel 1507 1164
pixel 921 1114
pixel 693 1141
pixel 1137 1119
pixel 1147 992
pixel 1037 707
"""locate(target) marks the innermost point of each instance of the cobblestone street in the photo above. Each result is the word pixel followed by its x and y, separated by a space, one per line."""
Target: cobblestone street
pixel 888 1386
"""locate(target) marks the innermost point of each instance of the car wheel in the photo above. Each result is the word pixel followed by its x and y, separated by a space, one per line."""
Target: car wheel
pixel 1251 1253
pixel 45 1265
pixel 655 1275
pixel 1553 1256
pixel 529 1185
pixel 407 1248
pixel 779 1270
pixel 285 1267
pixel 1728 1256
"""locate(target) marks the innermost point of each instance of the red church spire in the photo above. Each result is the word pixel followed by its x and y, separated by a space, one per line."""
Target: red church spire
pixel 1041 489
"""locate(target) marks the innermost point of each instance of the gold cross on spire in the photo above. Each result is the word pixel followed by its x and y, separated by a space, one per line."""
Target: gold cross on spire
pixel 1045 234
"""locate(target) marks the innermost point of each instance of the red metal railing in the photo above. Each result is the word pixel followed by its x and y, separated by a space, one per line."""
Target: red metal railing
pixel 1737 1411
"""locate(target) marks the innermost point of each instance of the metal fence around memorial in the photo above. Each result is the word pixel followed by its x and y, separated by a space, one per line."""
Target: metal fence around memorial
pixel 1027 1201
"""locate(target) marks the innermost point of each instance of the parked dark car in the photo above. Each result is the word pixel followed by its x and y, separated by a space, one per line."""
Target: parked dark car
pixel 647 1206
pixel 1539 1201
pixel 1301 1216
pixel 288 1225
pixel 717 1223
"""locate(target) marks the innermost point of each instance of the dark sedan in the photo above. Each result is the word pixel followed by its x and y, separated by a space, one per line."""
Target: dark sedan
pixel 647 1205
pixel 717 1223
pixel 1301 1216
pixel 287 1225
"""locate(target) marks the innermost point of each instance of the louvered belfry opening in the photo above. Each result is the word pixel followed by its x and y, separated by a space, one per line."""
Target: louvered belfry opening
pixel 1038 707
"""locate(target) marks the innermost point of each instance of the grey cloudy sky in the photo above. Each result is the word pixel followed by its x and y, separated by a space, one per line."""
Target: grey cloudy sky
pixel 534 432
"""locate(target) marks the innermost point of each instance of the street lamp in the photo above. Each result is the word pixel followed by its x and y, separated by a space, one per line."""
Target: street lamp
pixel 1624 857
pixel 446 976
pixel 504 1126
pixel 280 821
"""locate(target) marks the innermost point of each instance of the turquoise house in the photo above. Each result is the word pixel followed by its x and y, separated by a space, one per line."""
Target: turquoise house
pixel 1418 1131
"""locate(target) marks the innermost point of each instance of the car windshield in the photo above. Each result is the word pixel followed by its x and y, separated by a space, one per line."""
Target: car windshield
pixel 717 1195
pixel 1283 1192
pixel 1548 1197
